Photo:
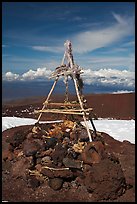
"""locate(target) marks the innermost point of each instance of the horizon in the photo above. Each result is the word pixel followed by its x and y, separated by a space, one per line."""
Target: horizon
pixel 14 90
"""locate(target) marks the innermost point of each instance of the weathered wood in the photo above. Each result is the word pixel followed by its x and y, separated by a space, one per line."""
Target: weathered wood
pixel 69 110
pixel 60 111
pixel 70 69
pixel 62 104
pixel 75 110
pixel 81 104
pixel 53 86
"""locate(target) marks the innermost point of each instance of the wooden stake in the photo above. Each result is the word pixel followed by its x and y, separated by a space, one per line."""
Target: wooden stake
pixel 45 103
pixel 66 93
pixel 63 104
pixel 59 111
pixel 84 115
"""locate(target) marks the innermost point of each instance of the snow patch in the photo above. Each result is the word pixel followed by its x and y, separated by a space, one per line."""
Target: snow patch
pixel 118 129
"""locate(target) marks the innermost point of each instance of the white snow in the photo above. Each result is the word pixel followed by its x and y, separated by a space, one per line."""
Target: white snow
pixel 118 129
pixel 9 122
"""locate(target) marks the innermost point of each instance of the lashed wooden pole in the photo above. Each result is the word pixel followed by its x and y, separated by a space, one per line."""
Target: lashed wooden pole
pixel 81 104
pixel 46 102
pixel 66 93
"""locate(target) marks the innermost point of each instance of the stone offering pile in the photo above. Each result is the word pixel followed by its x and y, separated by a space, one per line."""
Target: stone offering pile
pixel 61 155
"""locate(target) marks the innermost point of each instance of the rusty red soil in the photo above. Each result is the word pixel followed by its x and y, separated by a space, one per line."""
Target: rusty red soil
pixel 119 106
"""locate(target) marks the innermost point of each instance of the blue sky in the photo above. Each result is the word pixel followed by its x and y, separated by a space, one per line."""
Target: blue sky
pixel 33 36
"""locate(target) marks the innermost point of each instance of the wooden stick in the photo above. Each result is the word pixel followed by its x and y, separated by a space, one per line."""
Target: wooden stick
pixel 66 93
pixel 53 86
pixel 59 111
pixel 62 104
pixel 67 110
pixel 84 115
pixel 55 169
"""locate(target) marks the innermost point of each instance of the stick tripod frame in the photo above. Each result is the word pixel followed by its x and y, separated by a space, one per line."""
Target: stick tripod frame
pixel 74 71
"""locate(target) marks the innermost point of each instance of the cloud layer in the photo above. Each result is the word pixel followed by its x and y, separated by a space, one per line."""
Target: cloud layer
pixel 102 77
pixel 40 73
pixel 110 77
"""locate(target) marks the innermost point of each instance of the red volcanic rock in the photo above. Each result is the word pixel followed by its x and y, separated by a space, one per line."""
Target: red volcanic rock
pixel 30 147
pixel 56 183
pixel 111 177
pixel 93 152
pixel 105 180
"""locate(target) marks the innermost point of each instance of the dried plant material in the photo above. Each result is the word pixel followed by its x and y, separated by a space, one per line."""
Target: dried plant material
pixel 38 174
pixel 36 129
pixel 68 124
pixel 79 147
pixel 55 169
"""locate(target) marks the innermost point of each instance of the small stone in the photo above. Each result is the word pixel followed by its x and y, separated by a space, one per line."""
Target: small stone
pixel 74 184
pixel 65 142
pixel 56 183
pixel 66 185
pixel 71 163
pixel 51 142
pixel 46 160
pixel 58 154
pixel 30 148
pixel 33 182
pixel 83 136
pixel 90 155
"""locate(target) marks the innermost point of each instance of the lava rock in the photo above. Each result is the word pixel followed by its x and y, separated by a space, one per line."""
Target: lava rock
pixel 33 182
pixel 56 183
pixel 17 138
pixel 58 154
pixel 71 163
pixel 66 142
pixel 90 154
pixel 45 153
pixel 46 160
pixel 83 136
pixel 30 147
pixel 7 155
pixel 105 180
pixel 50 143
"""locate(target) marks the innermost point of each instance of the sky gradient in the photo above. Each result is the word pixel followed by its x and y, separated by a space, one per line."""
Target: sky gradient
pixel 102 35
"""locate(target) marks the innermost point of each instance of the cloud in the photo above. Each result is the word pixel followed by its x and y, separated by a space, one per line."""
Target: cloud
pixel 40 73
pixel 48 49
pixel 104 60
pixel 122 91
pixel 89 40
pixel 110 77
pixel 93 39
pixel 129 44
pixel 9 76
pixel 103 77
